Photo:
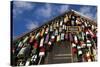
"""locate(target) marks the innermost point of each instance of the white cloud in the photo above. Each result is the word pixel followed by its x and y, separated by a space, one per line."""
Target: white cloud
pixel 21 6
pixel 63 8
pixel 14 37
pixel 95 17
pixel 86 11
pixel 31 25
pixel 16 12
pixel 45 11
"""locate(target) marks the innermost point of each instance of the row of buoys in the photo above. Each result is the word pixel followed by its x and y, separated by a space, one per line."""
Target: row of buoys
pixel 55 32
pixel 84 41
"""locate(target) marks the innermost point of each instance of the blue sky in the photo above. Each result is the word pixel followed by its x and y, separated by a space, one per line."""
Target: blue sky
pixel 30 15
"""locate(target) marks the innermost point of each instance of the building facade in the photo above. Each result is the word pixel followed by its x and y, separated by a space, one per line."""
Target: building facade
pixel 68 38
